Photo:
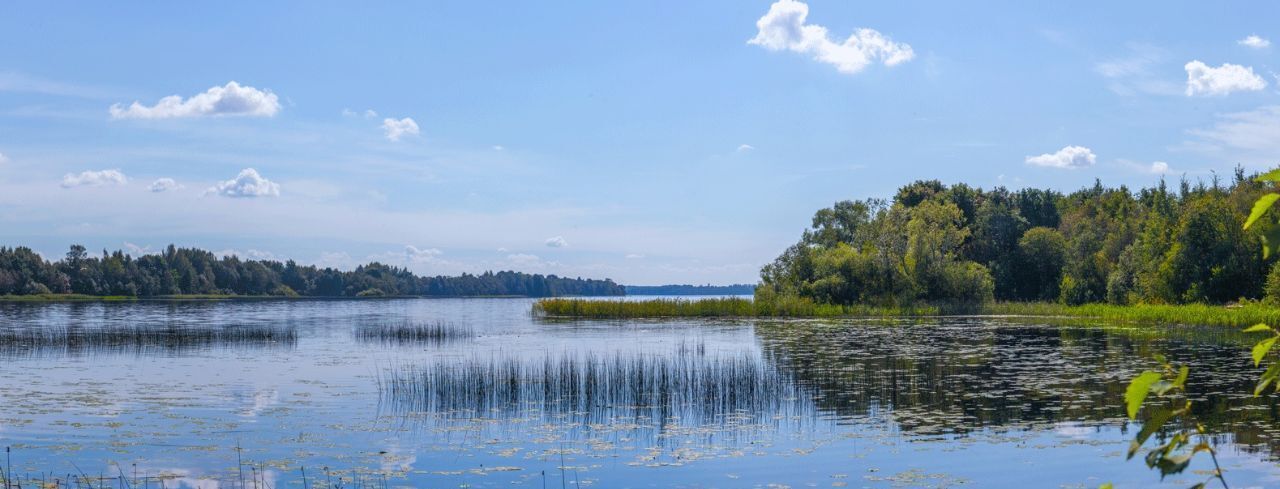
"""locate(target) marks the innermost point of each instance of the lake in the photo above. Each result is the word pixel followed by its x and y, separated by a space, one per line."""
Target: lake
pixel 479 393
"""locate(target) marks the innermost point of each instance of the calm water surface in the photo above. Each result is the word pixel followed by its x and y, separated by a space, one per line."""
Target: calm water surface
pixel 512 400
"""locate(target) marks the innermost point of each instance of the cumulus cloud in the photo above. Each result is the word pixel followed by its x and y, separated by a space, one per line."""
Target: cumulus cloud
pixel 247 184
pixel 783 28
pixel 1203 79
pixel 1159 167
pixel 231 99
pixel 745 147
pixel 557 242
pixel 93 178
pixel 1254 42
pixel 136 250
pixel 164 185
pixel 397 129
pixel 1068 157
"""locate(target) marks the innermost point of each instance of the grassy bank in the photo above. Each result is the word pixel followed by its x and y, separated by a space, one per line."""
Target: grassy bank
pixel 1192 314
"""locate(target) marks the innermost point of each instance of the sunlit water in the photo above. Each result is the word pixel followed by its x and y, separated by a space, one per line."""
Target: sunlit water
pixel 516 400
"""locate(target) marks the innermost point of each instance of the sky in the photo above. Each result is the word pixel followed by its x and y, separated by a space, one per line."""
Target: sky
pixel 648 142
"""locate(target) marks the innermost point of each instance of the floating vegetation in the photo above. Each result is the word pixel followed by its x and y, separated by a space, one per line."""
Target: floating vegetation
pixel 141 339
pixel 695 387
pixel 412 332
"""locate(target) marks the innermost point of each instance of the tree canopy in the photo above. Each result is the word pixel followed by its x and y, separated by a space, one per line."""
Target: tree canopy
pixel 955 243
pixel 179 271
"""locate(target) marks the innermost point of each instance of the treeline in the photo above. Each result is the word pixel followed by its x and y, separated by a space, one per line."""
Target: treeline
pixel 959 244
pixel 189 271
pixel 685 289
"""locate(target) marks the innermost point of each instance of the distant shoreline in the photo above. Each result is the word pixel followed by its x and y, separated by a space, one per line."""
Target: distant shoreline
pixel 54 298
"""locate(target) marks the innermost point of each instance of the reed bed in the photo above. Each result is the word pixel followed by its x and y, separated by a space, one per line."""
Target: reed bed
pixel 1246 314
pixel 697 388
pixel 142 339
pixel 412 333
pixel 733 307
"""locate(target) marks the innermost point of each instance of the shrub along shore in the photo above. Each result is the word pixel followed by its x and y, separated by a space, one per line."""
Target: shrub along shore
pixel 1184 314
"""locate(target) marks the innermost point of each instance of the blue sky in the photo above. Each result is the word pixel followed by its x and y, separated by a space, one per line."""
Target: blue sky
pixel 651 142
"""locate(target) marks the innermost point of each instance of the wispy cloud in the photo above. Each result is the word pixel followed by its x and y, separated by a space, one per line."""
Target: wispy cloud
pixel 783 28
pixel 556 242
pixel 1138 71
pixel 1254 42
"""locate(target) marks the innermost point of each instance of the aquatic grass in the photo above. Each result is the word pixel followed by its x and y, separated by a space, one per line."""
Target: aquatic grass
pixel 141 339
pixel 411 332
pixel 1185 314
pixel 694 387
pixel 733 307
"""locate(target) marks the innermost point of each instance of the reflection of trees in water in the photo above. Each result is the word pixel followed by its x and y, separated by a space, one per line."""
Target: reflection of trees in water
pixel 964 375
pixel 956 377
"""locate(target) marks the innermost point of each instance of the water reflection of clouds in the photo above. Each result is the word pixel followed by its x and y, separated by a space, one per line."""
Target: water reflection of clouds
pixel 260 400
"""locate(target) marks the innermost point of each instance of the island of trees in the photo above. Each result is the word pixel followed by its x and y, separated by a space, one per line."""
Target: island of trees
pixel 934 243
pixel 189 271
pixel 685 289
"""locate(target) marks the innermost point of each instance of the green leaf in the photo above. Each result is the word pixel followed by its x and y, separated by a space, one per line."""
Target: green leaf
pixel 1149 428
pixel 1260 208
pixel 1270 240
pixel 1199 485
pixel 1137 391
pixel 1106 486
pixel 1257 327
pixel 1173 464
pixel 1271 176
pixel 1260 350
pixel 1182 376
pixel 1267 378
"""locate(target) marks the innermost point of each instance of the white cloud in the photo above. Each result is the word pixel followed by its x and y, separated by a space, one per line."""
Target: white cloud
pixel 1254 42
pixel 1203 79
pixel 136 251
pixel 557 242
pixel 247 184
pixel 93 178
pixel 3 158
pixel 783 28
pixel 634 256
pixel 231 99
pixel 418 255
pixel 1159 167
pixel 1068 157
pixel 745 147
pixel 164 185
pixel 498 147
pixel 397 129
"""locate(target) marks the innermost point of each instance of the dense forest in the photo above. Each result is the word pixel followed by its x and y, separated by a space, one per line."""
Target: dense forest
pixel 959 244
pixel 685 289
pixel 180 271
